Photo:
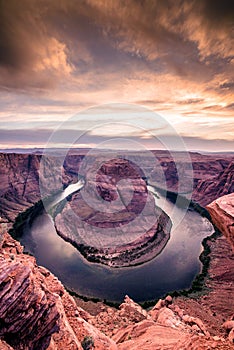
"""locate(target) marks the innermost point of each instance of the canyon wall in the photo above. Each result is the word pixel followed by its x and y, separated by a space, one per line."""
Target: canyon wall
pixel 220 184
pixel 19 184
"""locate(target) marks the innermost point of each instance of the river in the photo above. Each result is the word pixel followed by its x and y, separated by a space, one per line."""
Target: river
pixel 174 269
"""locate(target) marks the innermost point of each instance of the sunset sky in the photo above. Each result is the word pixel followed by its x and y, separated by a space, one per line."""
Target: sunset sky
pixel 60 57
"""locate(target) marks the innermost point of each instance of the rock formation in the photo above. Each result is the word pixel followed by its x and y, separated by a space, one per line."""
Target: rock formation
pixel 167 328
pixel 229 327
pixel 36 312
pixel 19 184
pixel 19 187
pixel 100 235
pixel 130 235
pixel 222 213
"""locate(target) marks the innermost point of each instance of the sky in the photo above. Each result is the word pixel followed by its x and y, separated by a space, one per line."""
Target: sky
pixel 173 57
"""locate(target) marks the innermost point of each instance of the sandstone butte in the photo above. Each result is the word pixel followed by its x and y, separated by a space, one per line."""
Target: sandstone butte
pixel 37 312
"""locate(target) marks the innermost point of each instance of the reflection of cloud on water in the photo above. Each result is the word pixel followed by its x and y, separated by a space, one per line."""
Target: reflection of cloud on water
pixel 52 244
pixel 182 264
pixel 195 220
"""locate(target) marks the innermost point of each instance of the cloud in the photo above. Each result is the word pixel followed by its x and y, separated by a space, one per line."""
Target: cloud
pixel 57 39
pixel 191 101
pixel 230 106
pixel 227 85
pixel 57 57
pixel 30 56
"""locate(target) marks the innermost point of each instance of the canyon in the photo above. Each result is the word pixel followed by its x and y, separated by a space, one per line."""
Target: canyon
pixel 20 189
pixel 37 311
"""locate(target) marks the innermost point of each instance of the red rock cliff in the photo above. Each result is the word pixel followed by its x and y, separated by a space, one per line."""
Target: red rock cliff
pixel 222 213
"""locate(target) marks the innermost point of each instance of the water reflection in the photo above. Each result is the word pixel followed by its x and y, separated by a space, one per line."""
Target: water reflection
pixel 173 269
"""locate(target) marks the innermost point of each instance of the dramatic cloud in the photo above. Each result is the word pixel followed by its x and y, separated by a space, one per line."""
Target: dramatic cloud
pixel 176 57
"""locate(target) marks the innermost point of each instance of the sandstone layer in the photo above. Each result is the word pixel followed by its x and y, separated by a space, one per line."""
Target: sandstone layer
pixel 128 234
pixel 165 326
pixel 215 304
pixel 20 186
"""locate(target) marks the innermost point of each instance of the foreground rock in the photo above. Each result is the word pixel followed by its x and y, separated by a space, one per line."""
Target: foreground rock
pixel 36 312
pixel 28 310
pixel 165 327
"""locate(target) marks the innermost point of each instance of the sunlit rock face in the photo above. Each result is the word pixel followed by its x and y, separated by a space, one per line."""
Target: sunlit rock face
pixel 113 220
pixel 222 214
